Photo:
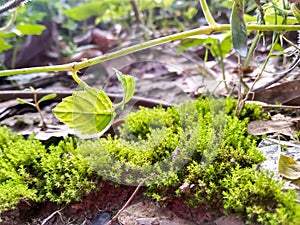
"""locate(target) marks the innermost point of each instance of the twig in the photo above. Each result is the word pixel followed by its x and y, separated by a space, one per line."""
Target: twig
pixel 280 106
pixel 261 11
pixel 115 218
pixel 52 214
pixel 136 11
pixel 11 5
pixel 241 101
pixel 281 75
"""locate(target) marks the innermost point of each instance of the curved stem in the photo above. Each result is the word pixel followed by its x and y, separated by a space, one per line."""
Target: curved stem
pixel 78 80
pixel 207 14
pixel 124 51
pixel 262 70
pixel 10 22
pixel 11 5
pixel 251 50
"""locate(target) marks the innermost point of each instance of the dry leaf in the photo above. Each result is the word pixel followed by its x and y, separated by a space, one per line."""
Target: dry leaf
pixel 260 127
pixel 288 168
pixel 286 93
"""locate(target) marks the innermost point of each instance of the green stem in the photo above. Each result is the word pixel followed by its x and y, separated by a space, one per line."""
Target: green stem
pixel 10 22
pixel 251 50
pixel 144 45
pixel 222 66
pixel 262 70
pixel 207 14
pixel 78 80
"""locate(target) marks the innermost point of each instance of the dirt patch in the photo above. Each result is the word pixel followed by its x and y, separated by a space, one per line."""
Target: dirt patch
pixel 108 197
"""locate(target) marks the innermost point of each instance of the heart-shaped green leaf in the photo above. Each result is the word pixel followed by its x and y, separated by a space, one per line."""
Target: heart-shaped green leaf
pixel 89 111
pixel 238 28
pixel 128 84
pixel 288 168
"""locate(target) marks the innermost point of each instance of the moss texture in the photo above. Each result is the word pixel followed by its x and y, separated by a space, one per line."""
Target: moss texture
pixel 30 171
pixel 202 145
pixel 199 144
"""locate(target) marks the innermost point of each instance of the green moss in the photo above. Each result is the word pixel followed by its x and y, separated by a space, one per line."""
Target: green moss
pixel 257 197
pixel 212 150
pixel 199 143
pixel 30 171
pixel 66 176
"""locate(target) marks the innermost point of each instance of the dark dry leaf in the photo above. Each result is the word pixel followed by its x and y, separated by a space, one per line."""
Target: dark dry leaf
pixel 287 93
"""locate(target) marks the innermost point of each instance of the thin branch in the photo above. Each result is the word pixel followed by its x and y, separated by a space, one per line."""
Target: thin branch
pixel 207 14
pixel 11 5
pixel 52 214
pixel 10 22
pixel 136 11
pixel 280 107
pixel 115 218
pixel 281 75
pixel 144 45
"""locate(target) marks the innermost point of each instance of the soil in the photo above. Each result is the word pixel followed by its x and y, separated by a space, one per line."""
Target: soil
pixel 108 197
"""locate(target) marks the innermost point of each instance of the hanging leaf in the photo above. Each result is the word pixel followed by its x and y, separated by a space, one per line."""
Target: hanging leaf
pixel 89 111
pixel 288 168
pixel 238 28
pixel 128 84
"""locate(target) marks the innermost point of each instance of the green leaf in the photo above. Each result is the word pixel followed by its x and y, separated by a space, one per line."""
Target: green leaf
pixel 89 111
pixel 211 42
pixel 30 29
pixel 128 84
pixel 85 11
pixel 22 101
pixel 47 97
pixel 238 28
pixel 4 46
pixel 288 168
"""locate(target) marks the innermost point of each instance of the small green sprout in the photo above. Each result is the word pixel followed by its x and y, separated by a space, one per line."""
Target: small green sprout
pixel 36 104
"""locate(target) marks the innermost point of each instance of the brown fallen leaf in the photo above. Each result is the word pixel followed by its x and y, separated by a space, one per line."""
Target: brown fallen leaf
pixel 288 167
pixel 287 93
pixel 260 127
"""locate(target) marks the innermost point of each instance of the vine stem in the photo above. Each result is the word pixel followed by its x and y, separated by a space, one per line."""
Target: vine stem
pixel 78 80
pixel 207 14
pixel 10 22
pixel 148 44
pixel 262 70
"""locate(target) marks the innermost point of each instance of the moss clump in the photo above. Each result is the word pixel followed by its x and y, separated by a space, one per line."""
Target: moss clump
pixel 258 198
pixel 66 176
pixel 30 171
pixel 199 143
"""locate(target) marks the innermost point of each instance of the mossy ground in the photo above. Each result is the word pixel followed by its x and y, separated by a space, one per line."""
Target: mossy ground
pixel 199 144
